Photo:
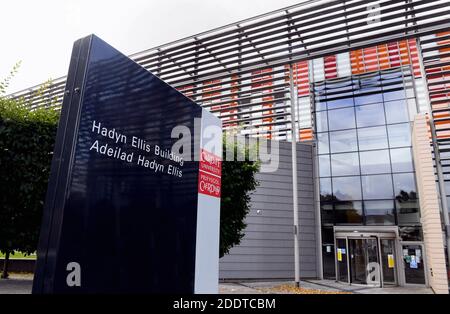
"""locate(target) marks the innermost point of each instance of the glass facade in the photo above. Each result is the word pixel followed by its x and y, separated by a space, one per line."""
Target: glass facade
pixel 363 128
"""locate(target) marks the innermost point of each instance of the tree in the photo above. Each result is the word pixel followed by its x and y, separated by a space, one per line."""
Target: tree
pixel 238 181
pixel 26 145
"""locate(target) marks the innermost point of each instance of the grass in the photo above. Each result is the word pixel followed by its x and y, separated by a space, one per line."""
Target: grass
pixel 18 255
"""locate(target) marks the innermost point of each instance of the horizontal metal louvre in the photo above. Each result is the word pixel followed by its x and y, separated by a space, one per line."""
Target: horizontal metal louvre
pixel 240 71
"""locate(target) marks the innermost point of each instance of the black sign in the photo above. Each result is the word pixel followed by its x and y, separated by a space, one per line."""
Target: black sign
pixel 124 211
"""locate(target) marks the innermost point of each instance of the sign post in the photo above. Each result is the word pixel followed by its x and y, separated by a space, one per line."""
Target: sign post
pixel 133 202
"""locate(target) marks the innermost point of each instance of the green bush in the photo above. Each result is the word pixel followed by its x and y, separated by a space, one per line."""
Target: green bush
pixel 238 181
pixel 26 145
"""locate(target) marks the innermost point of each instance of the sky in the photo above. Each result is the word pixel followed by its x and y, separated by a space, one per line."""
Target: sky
pixel 41 33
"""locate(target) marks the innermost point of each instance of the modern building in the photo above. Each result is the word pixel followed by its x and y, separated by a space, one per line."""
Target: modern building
pixel 363 87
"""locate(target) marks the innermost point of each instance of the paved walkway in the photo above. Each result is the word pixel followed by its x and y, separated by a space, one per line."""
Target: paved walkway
pixel 23 284
pixel 255 287
pixel 15 286
pixel 371 290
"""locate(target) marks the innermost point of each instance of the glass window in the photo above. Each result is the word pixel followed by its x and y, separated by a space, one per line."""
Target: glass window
pixel 340 103
pixel 324 165
pixel 347 188
pixel 321 121
pixel 343 141
pixel 325 189
pixel 323 143
pixel 375 162
pixel 411 233
pixel 394 95
pixel 379 212
pixel 368 99
pixel 399 135
pixel 372 138
pixel 329 269
pixel 348 212
pixel 320 103
pixel 404 186
pixel 345 164
pixel 401 159
pixel 377 187
pixel 340 119
pixel 370 115
pixel 396 111
pixel 326 212
pixel 408 211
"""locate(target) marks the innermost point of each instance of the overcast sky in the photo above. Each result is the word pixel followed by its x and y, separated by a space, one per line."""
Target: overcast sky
pixel 41 33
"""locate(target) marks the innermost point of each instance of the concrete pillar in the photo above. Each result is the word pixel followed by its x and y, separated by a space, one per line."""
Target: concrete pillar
pixel 429 207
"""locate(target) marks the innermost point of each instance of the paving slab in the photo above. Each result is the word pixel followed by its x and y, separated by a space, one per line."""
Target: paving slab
pixel 15 286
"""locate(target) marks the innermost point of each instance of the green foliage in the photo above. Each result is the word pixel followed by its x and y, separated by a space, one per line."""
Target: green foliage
pixel 5 82
pixel 26 145
pixel 238 181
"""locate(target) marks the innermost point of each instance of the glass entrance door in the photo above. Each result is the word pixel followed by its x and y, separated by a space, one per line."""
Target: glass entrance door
pixel 413 264
pixel 364 264
pixel 388 261
pixel 341 260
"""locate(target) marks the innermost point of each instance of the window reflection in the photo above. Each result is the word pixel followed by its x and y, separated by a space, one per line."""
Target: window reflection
pixel 379 212
pixel 326 210
pixel 401 159
pixel 374 162
pixel 321 121
pixel 324 166
pixel 348 212
pixel 340 119
pixel 399 135
pixel 396 111
pixel 394 95
pixel 339 103
pixel 368 166
pixel 411 233
pixel 343 141
pixel 347 188
pixel 377 187
pixel 322 143
pixel 407 211
pixel 404 186
pixel 325 189
pixel 372 138
pixel 344 164
pixel 370 115
pixel 368 99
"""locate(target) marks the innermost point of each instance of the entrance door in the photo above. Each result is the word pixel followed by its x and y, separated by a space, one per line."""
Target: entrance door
pixel 388 261
pixel 341 260
pixel 413 264
pixel 364 263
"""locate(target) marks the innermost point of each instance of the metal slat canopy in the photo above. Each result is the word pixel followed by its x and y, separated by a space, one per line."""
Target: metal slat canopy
pixel 227 69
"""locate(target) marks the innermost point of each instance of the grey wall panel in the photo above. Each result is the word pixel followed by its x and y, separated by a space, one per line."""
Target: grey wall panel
pixel 267 250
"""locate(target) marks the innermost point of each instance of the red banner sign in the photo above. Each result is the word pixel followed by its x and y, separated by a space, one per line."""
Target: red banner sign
pixel 209 184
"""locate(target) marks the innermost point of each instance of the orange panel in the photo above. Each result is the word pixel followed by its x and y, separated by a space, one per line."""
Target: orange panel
pixel 404 54
pixel 306 134
pixel 302 78
pixel 414 54
pixel 370 59
pixel 255 84
pixel 356 61
pixel 383 57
